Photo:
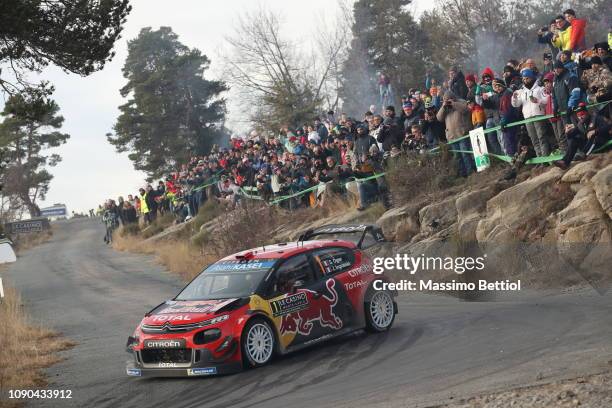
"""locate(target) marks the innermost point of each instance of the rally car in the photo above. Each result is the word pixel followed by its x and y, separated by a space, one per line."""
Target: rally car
pixel 242 310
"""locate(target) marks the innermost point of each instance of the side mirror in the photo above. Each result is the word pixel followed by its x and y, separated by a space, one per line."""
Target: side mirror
pixel 296 285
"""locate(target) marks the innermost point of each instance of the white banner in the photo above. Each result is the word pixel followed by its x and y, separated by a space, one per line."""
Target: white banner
pixel 479 147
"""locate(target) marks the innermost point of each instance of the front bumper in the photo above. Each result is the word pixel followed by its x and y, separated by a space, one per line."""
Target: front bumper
pixel 202 363
pixel 133 370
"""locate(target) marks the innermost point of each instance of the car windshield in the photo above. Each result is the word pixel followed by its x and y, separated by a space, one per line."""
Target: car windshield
pixel 227 279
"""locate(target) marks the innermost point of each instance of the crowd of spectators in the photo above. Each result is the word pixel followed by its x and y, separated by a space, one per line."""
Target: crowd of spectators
pixel 336 149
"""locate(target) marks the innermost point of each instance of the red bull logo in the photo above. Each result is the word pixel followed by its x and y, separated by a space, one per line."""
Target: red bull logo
pixel 320 308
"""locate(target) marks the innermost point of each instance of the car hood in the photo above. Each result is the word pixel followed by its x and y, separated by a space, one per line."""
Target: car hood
pixel 179 312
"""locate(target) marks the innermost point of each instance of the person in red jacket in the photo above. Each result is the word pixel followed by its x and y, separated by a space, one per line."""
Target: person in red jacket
pixel 577 42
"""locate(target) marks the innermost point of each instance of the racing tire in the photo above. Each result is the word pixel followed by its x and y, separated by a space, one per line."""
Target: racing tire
pixel 379 312
pixel 258 343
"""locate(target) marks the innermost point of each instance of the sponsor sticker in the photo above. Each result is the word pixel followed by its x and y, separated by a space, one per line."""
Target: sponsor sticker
pixel 164 343
pixel 289 304
pixel 134 372
pixel 229 266
pixel 176 318
pixel 202 371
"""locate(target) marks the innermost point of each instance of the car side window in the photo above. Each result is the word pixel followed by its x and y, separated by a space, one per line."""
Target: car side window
pixel 332 261
pixel 292 270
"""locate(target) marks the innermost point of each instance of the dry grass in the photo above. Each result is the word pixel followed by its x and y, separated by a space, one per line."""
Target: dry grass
pixel 26 348
pixel 178 256
pixel 24 242
pixel 183 258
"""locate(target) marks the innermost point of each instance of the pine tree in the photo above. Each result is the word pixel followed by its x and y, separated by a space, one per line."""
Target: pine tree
pixel 172 112
pixel 29 128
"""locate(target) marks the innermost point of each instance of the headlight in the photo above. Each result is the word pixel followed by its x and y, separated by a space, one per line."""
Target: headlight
pixel 214 320
pixel 131 343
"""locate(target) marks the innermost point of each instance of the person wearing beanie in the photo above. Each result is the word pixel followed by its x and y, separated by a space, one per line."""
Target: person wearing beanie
pixel 602 50
pixel 507 114
pixel 566 58
pixel 409 116
pixel 566 92
pixel 587 132
pixel 470 82
pixel 511 77
pixel 597 81
pixel 487 98
pixel 532 99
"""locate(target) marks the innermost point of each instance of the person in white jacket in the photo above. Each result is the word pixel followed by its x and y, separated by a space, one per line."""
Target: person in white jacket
pixel 532 98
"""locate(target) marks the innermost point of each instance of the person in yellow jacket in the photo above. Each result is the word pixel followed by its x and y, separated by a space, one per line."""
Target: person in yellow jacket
pixel 144 208
pixel 562 37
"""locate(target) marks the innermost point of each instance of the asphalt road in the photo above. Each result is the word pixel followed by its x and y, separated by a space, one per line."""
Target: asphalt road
pixel 440 349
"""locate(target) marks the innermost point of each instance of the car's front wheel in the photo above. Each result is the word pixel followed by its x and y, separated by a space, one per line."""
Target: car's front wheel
pixel 258 343
pixel 379 312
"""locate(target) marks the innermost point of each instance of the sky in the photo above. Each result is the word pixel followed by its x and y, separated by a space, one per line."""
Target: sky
pixel 91 171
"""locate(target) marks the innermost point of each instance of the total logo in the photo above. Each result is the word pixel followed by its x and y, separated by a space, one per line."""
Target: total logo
pixel 166 365
pixel 171 318
pixel 355 285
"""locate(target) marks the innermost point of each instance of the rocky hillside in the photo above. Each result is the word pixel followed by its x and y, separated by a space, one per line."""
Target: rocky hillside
pixel 549 227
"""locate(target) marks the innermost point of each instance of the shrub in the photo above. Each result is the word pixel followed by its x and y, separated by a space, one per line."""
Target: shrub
pixel 129 230
pixel 413 175
pixel 209 211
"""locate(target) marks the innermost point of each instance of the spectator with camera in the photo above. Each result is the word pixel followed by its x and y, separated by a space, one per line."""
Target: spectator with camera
pixel 456 83
pixel 391 133
pixel 432 128
pixel 457 118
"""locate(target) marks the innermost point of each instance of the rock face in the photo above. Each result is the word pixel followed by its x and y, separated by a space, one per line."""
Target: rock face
pixel 437 216
pixel 512 208
pixel 400 223
pixel 471 207
pixel 579 171
pixel 602 183
pixel 583 231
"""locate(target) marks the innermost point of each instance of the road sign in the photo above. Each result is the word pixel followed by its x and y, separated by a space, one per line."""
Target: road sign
pixel 58 210
pixel 479 147
pixel 27 226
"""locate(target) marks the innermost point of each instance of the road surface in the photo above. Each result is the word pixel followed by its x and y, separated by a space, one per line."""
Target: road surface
pixel 440 349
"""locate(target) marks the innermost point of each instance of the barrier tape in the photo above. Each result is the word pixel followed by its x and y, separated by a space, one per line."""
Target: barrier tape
pixel 518 123
pixel 277 200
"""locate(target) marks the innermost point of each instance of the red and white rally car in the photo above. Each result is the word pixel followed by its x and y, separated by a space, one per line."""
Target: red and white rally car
pixel 247 307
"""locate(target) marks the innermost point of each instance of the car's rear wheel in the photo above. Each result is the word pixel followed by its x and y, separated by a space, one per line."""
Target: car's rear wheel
pixel 258 343
pixel 379 312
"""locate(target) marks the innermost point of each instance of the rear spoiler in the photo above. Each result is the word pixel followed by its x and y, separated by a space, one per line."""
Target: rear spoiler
pixel 336 229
